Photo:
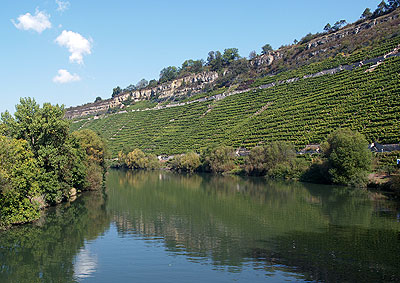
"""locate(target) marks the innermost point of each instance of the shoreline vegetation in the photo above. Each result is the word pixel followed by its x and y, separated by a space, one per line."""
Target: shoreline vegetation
pixel 42 163
pixel 345 160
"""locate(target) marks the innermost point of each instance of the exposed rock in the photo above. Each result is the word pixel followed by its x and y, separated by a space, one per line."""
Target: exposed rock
pixel 191 84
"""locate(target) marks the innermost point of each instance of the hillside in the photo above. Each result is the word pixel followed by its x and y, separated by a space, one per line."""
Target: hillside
pixel 348 78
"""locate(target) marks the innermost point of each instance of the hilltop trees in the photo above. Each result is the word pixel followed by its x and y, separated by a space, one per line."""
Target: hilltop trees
pixel 266 49
pixel 366 14
pixel 168 74
pixel 116 90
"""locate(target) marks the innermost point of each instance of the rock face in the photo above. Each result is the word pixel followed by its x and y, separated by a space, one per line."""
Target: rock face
pixel 191 84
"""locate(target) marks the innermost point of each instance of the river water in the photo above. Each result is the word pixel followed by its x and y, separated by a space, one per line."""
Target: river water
pixel 165 227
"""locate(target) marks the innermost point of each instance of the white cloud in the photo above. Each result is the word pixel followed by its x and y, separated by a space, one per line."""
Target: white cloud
pixel 76 44
pixel 62 5
pixel 39 22
pixel 65 77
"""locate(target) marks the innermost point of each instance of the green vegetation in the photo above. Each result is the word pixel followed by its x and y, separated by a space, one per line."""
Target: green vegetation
pixel 275 160
pixel 188 162
pixel 137 159
pixel 302 112
pixel 348 158
pixel 41 161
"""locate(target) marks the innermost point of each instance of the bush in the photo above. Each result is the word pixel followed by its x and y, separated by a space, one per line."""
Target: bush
pixel 188 162
pixel 137 159
pixel 348 158
pixel 221 159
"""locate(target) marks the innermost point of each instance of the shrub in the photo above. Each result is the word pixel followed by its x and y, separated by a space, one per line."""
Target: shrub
pixel 348 158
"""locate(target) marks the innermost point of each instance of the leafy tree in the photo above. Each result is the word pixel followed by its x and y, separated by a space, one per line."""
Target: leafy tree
pixel 338 25
pixel 19 185
pixel 47 134
pixel 230 55
pixel 97 99
pixel 137 159
pixel 116 90
pixel 328 27
pixel 221 159
pixel 381 9
pixel 94 146
pixel 348 158
pixel 152 83
pixel 266 49
pixel 142 84
pixel 168 74
pixel 188 162
pixel 214 60
pixel 239 66
pixel 366 14
pixel 192 66
pixel 276 160
pixel 252 54
pixel 130 87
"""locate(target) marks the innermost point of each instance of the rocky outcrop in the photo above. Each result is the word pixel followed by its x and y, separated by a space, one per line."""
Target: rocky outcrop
pixel 185 86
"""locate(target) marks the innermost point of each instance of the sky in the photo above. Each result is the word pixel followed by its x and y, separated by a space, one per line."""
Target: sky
pixel 72 51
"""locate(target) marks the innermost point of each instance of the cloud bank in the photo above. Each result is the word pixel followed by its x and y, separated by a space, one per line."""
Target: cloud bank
pixel 65 77
pixel 76 44
pixel 39 22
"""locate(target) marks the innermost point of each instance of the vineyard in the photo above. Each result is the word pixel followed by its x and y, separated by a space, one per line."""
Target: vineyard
pixel 303 112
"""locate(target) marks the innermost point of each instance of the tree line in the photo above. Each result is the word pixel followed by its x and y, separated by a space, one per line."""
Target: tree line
pixel 346 160
pixel 42 163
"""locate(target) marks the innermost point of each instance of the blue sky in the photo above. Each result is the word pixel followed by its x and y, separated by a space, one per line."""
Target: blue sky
pixel 70 52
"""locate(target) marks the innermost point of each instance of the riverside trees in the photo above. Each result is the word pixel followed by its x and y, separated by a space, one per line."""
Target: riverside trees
pixel 40 161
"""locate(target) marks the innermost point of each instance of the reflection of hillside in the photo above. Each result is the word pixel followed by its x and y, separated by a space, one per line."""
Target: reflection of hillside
pixel 47 249
pixel 230 219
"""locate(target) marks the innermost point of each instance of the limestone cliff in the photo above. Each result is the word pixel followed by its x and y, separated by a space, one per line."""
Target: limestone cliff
pixel 191 84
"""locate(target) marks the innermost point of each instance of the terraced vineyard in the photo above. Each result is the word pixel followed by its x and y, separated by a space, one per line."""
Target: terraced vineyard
pixel 303 112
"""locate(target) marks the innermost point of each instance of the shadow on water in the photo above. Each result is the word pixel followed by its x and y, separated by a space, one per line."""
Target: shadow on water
pixel 320 232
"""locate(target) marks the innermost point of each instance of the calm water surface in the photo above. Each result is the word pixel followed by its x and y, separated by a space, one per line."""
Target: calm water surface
pixel 165 227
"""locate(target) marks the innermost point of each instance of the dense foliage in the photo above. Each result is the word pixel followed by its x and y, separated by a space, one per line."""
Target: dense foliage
pixel 348 158
pixel 41 161
pixel 137 159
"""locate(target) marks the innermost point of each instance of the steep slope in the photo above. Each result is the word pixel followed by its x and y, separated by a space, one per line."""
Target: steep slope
pixel 303 104
pixel 365 99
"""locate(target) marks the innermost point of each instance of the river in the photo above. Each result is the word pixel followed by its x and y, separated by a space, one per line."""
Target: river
pixel 166 227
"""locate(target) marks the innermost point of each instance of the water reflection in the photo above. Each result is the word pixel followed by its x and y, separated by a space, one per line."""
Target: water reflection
pixel 45 251
pixel 159 225
pixel 323 233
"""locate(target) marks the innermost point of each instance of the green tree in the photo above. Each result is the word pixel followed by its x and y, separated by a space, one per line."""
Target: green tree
pixel 214 60
pixel 97 99
pixel 252 54
pixel 19 186
pixel 188 162
pixel 328 27
pixel 153 83
pixel 168 74
pixel 266 49
pixel 142 84
pixel 348 158
pixel 366 14
pixel 221 159
pixel 116 90
pixel 47 134
pixel 230 55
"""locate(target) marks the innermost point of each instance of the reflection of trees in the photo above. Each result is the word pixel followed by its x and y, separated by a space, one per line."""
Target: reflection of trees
pixel 230 219
pixel 44 251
